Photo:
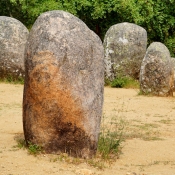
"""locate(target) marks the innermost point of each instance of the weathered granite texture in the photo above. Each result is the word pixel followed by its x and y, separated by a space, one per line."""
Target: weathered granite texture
pixel 125 47
pixel 63 93
pixel 157 72
pixel 13 38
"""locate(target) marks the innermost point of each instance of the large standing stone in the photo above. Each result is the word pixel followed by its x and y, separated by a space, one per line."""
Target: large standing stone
pixel 13 38
pixel 157 74
pixel 125 47
pixel 63 93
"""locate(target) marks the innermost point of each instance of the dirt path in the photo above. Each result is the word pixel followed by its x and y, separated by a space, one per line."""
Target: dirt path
pixel 149 148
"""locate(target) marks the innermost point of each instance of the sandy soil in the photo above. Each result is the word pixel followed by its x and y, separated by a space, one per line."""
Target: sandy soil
pixel 149 130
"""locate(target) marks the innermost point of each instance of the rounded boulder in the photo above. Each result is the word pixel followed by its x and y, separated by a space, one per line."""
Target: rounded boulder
pixel 125 47
pixel 157 71
pixel 13 38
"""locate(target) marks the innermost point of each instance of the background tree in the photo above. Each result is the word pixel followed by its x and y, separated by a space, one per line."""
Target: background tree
pixel 156 16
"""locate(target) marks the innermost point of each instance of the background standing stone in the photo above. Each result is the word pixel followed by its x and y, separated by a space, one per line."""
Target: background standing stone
pixel 125 47
pixel 13 38
pixel 63 93
pixel 157 71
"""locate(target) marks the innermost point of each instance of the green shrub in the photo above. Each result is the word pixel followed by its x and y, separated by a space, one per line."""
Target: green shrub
pixel 107 82
pixel 118 82
pixel 124 82
pixel 34 148
pixel 10 79
pixel 110 139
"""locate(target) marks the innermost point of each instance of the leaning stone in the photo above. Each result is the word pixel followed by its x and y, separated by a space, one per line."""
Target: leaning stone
pixel 125 47
pixel 13 38
pixel 63 91
pixel 157 72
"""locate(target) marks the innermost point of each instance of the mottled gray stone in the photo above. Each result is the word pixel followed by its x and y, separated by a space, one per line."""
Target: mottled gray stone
pixel 13 38
pixel 63 92
pixel 125 47
pixel 157 72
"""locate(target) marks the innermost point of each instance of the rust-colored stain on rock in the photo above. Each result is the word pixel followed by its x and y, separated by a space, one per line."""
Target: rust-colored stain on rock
pixel 51 116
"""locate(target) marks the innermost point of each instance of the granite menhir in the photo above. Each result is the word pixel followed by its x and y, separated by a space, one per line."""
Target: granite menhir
pixel 125 47
pixel 64 83
pixel 13 38
pixel 157 71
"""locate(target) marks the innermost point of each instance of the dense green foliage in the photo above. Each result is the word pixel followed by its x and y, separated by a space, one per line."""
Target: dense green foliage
pixel 156 16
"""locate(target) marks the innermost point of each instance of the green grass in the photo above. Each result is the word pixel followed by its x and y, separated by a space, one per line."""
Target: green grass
pixel 109 145
pixel 168 121
pixel 107 82
pixel 11 80
pixel 146 132
pixel 156 162
pixel 21 143
pixel 125 82
pixel 158 115
pixel 33 149
pixel 148 126
pixel 110 139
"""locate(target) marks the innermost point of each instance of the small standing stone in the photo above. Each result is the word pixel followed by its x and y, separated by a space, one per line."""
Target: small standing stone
pixel 13 38
pixel 125 47
pixel 157 72
pixel 63 92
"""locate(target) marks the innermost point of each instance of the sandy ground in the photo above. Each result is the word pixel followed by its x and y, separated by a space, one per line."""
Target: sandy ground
pixel 149 148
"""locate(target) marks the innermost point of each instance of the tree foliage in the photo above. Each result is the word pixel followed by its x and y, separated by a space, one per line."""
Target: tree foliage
pixel 156 16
